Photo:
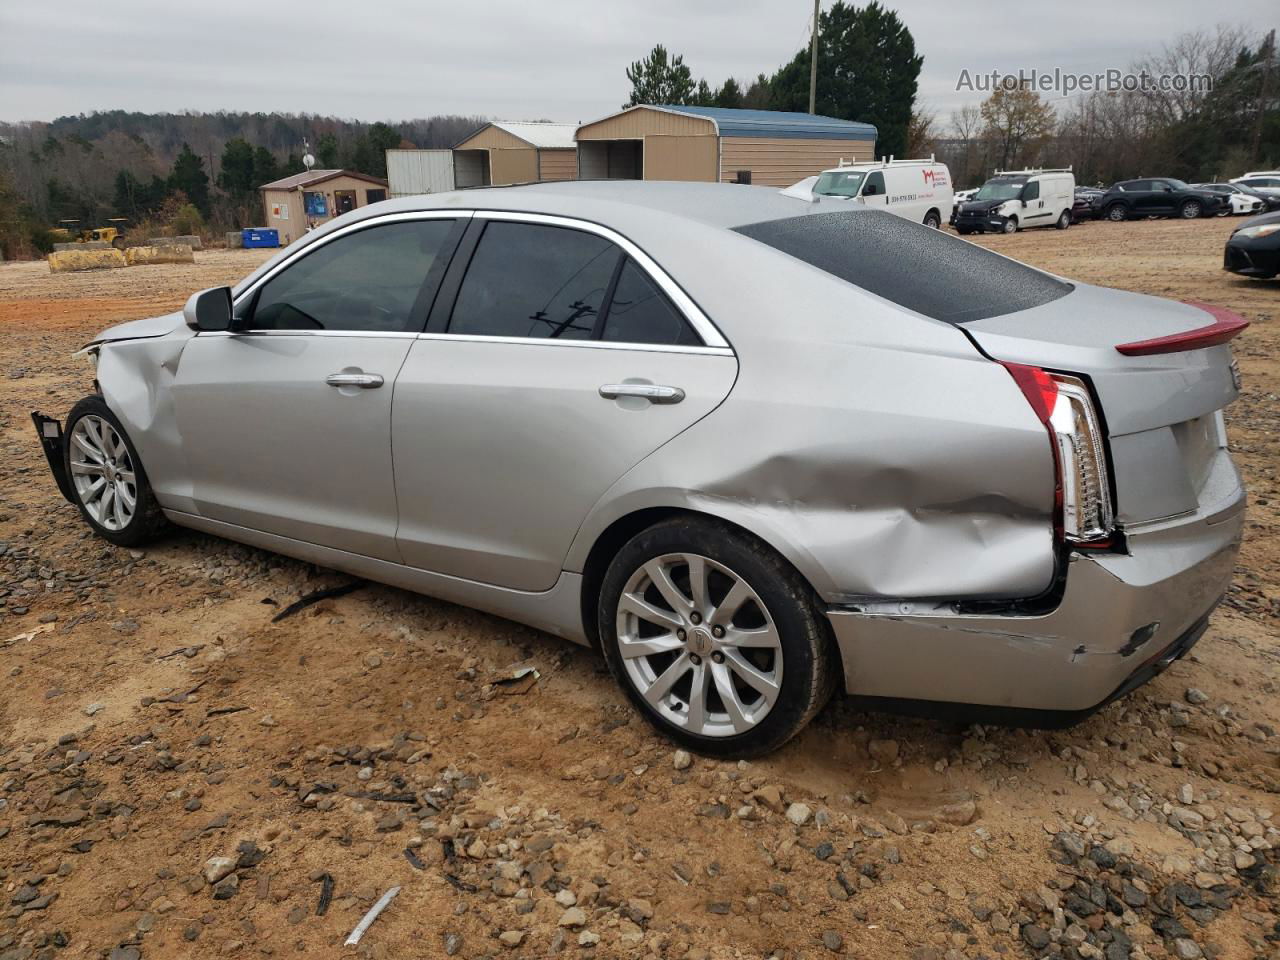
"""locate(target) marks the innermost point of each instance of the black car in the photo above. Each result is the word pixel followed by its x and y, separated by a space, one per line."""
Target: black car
pixel 1253 250
pixel 1083 207
pixel 1158 197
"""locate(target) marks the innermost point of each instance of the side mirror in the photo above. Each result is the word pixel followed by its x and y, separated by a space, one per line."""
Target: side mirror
pixel 209 309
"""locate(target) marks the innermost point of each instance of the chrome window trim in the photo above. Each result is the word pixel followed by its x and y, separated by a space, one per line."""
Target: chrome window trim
pixel 342 232
pixel 582 344
pixel 714 342
pixel 694 316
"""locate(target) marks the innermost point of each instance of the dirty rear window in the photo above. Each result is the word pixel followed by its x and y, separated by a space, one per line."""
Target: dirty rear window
pixel 909 264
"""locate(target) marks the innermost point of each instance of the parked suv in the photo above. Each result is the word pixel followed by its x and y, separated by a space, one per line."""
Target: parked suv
pixel 1159 197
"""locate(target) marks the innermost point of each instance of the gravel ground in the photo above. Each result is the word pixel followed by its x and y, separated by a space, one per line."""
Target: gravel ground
pixel 181 777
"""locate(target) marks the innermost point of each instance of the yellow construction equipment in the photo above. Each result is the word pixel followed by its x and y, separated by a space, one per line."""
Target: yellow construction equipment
pixel 74 233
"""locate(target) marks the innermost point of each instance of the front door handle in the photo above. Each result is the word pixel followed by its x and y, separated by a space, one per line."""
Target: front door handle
pixel 652 392
pixel 367 381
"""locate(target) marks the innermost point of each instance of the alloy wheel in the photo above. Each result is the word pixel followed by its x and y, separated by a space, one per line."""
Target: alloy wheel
pixel 1190 210
pixel 699 644
pixel 1116 213
pixel 103 473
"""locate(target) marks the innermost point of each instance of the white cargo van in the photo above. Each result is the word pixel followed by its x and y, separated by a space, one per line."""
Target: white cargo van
pixel 1015 199
pixel 918 190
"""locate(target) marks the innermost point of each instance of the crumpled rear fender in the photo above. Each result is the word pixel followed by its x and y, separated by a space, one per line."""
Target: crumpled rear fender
pixel 877 473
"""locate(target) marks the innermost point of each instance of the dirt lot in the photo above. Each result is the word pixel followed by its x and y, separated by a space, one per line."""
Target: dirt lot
pixel 154 718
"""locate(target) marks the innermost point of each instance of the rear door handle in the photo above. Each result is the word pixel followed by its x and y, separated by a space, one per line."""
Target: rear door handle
pixel 652 392
pixel 367 381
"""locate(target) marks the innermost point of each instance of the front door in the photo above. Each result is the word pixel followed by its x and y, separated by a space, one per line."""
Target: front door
pixel 561 364
pixel 286 420
pixel 874 193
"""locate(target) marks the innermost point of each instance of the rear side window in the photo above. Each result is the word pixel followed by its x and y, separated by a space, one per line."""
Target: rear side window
pixel 544 282
pixel 909 264
pixel 368 281
pixel 640 313
pixel 529 280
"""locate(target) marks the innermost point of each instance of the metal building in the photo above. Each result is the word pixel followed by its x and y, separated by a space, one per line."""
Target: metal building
pixel 712 144
pixel 411 172
pixel 515 151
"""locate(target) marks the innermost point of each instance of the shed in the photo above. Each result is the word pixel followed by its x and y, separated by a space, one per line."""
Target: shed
pixel 711 144
pixel 515 151
pixel 293 204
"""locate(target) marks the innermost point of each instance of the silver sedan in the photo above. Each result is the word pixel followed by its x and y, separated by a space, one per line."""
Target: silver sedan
pixel 752 448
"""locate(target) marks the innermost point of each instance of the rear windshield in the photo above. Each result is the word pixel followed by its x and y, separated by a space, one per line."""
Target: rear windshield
pixel 909 264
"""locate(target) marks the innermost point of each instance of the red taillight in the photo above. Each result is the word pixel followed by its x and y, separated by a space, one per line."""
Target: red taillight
pixel 1041 392
pixel 1226 326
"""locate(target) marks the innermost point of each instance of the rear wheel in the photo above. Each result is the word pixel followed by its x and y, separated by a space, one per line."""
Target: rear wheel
pixel 1117 213
pixel 715 638
pixel 1190 210
pixel 1064 221
pixel 964 231
pixel 933 219
pixel 107 479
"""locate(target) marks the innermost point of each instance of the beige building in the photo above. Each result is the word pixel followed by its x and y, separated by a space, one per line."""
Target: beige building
pixel 765 147
pixel 312 198
pixel 515 151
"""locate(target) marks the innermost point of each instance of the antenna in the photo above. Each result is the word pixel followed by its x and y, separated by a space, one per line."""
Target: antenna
pixel 308 160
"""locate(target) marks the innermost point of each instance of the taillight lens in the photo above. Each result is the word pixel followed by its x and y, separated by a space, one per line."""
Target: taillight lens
pixel 1083 495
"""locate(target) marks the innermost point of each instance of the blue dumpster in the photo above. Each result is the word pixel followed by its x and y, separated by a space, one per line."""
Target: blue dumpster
pixel 259 237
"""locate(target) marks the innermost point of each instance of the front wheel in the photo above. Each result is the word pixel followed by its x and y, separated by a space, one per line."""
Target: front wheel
pixel 933 219
pixel 1190 210
pixel 1011 225
pixel 715 638
pixel 107 480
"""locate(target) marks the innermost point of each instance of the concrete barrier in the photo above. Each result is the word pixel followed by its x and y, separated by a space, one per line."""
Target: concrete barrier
pixel 66 261
pixel 161 253
pixel 235 239
pixel 190 240
pixel 86 245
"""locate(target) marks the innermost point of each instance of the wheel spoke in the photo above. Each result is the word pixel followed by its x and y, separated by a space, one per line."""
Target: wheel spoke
pixel 759 681
pixel 85 443
pixel 729 697
pixel 128 497
pixel 649 646
pixel 118 508
pixel 738 594
pixel 630 603
pixel 666 586
pixel 698 697
pixel 85 468
pixel 663 684
pixel 698 584
pixel 765 638
pixel 104 503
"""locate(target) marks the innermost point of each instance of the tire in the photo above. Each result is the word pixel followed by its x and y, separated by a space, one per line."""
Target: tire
pixel 1191 210
pixel 1064 221
pixel 933 219
pixel 91 422
pixel 791 648
pixel 1011 225
pixel 1116 213
pixel 963 231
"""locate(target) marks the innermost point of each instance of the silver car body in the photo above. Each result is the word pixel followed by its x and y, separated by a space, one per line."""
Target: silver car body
pixel 898 468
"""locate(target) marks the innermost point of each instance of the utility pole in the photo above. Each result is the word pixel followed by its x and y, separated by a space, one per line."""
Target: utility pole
pixel 813 61
pixel 1269 46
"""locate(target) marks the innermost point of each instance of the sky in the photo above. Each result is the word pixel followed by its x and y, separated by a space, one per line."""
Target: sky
pixel 513 59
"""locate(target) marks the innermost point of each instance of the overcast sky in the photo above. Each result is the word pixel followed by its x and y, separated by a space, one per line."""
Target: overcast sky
pixel 511 59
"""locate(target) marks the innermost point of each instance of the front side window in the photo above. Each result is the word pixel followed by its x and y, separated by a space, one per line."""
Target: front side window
pixel 1032 191
pixel 368 281
pixel 530 280
pixel 875 185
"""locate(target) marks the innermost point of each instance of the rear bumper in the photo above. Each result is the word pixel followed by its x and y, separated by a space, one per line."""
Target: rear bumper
pixel 1121 620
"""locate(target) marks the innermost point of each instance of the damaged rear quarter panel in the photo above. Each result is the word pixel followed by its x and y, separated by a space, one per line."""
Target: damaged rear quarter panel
pixel 136 379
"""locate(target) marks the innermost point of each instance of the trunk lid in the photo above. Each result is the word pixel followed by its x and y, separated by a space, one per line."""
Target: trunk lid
pixel 1161 411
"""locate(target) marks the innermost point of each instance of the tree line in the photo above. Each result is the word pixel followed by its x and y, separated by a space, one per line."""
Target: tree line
pixel 145 167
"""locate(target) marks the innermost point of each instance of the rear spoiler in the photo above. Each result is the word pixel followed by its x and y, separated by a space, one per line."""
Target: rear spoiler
pixel 1226 326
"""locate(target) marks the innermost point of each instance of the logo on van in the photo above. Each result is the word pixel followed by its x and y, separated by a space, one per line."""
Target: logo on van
pixel 934 178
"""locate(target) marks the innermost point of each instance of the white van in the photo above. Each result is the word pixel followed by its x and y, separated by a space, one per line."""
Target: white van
pixel 1015 199
pixel 918 190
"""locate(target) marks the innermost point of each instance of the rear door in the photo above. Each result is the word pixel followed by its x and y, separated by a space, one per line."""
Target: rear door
pixel 286 423
pixel 558 356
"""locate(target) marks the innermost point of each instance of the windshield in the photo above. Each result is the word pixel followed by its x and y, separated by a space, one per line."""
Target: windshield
pixel 999 190
pixel 839 183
